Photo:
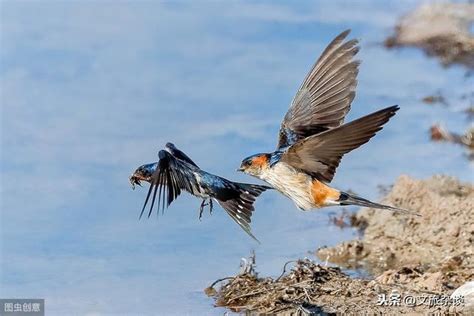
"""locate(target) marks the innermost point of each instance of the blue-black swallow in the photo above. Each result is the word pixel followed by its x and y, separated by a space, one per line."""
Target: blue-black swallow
pixel 176 172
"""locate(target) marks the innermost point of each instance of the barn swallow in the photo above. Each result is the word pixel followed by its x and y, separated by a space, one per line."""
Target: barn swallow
pixel 313 137
pixel 176 172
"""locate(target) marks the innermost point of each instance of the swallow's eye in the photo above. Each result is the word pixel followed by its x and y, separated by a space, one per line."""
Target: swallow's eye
pixel 247 163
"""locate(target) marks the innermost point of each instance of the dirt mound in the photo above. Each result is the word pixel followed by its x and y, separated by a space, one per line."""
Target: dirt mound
pixel 441 239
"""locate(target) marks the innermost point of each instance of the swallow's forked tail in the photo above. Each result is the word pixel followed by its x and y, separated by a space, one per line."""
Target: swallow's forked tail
pixel 240 208
pixel 348 199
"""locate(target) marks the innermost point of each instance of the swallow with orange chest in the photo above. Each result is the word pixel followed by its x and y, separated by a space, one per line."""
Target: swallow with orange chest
pixel 313 137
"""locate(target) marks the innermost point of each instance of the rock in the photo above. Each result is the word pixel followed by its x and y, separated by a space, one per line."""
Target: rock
pixel 467 292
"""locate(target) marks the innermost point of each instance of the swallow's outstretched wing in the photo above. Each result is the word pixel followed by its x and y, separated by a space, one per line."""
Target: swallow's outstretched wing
pixel 319 155
pixel 171 148
pixel 325 96
pixel 171 176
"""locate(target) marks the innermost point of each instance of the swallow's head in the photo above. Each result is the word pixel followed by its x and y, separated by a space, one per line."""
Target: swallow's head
pixel 143 173
pixel 255 165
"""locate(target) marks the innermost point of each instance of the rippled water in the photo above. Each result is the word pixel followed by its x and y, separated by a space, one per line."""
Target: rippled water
pixel 90 91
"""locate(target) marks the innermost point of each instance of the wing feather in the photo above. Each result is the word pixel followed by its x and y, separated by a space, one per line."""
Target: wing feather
pixel 325 96
pixel 240 208
pixel 171 148
pixel 170 178
pixel 319 155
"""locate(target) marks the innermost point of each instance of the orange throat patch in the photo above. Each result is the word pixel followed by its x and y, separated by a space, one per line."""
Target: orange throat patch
pixel 322 194
pixel 260 161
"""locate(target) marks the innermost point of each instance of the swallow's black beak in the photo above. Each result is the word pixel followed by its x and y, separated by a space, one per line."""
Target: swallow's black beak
pixel 134 181
pixel 240 169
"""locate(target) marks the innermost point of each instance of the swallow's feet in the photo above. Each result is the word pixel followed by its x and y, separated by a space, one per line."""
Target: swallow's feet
pixel 203 204
pixel 201 209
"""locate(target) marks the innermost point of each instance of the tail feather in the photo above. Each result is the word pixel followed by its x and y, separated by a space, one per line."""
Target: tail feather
pixel 348 199
pixel 240 209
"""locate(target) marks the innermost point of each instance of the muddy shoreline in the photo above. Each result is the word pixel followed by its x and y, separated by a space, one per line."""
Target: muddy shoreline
pixel 416 263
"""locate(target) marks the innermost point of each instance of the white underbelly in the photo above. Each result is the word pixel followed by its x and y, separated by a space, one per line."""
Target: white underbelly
pixel 292 183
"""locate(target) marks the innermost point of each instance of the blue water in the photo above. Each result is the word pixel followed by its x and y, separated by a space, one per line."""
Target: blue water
pixel 91 90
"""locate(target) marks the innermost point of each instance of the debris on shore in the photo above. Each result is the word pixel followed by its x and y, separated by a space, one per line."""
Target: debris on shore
pixel 310 288
pixel 408 257
pixel 441 30
pixel 439 133
pixel 435 98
